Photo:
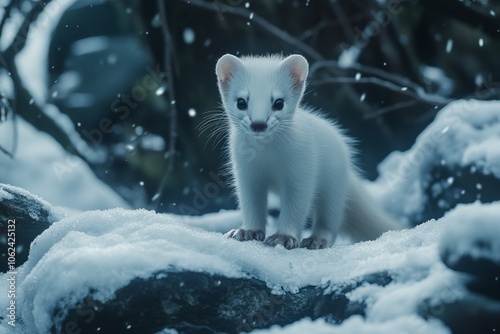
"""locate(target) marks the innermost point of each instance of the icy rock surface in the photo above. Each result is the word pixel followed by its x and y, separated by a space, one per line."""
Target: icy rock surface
pixel 200 303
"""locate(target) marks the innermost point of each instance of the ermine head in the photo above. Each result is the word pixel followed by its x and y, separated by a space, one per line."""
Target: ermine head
pixel 260 93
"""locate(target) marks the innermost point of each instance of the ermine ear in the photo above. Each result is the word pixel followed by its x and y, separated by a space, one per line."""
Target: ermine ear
pixel 297 67
pixel 225 68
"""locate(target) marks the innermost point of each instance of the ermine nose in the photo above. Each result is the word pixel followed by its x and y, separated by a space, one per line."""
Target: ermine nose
pixel 258 126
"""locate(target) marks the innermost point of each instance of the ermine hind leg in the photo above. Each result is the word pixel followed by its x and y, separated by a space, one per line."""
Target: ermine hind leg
pixel 326 224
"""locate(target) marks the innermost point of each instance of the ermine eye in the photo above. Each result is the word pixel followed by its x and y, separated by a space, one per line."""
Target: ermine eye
pixel 241 104
pixel 278 104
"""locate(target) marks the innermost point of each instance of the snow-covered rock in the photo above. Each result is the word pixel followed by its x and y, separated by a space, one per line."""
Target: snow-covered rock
pixel 456 159
pixel 28 214
pixel 472 243
pixel 122 258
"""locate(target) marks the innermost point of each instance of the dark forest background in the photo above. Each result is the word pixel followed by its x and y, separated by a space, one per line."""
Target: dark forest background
pixel 146 79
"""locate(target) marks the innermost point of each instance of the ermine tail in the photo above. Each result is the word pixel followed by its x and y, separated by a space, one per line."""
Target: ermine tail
pixel 364 219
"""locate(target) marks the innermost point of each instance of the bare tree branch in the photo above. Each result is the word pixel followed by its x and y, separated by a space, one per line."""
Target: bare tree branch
pixel 471 13
pixel 394 107
pixel 169 45
pixel 260 22
pixel 5 110
pixel 312 32
pixel 7 153
pixel 407 53
pixel 21 105
pixel 419 94
pixel 399 80
pixel 342 17
pixel 243 13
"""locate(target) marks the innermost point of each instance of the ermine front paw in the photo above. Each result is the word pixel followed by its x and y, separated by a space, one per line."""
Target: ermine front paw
pixel 245 235
pixel 286 241
pixel 314 243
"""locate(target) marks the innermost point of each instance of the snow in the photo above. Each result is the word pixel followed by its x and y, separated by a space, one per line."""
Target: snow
pixel 349 57
pixel 437 76
pixel 483 235
pixel 33 68
pixel 356 324
pixel 188 36
pixel 42 167
pixel 449 45
pixel 5 195
pixel 121 245
pixel 487 153
pixel 14 22
pixel 465 132
pixel 221 222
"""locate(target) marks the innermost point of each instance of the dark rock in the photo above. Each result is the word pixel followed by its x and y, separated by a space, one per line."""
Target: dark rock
pixel 483 268
pixel 486 287
pixel 464 314
pixel 31 216
pixel 192 302
pixel 474 253
pixel 470 246
pixel 446 186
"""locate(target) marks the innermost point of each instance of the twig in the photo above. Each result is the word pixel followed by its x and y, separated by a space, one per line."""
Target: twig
pixel 341 16
pixel 394 107
pixel 471 13
pixel 312 32
pixel 5 110
pixel 10 155
pixel 418 94
pixel 401 81
pixel 171 94
pixel 407 53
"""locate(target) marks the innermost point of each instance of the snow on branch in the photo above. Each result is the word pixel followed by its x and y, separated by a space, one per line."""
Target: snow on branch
pixel 23 101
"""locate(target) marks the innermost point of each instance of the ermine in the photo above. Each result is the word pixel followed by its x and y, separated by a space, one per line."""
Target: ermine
pixel 277 146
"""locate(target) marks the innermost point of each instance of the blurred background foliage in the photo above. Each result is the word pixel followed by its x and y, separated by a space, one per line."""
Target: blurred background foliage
pixel 137 77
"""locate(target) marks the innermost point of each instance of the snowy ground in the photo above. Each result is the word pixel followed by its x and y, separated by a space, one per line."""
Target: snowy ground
pixel 102 251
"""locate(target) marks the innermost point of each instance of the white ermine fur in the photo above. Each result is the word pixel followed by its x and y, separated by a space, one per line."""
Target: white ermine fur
pixel 277 146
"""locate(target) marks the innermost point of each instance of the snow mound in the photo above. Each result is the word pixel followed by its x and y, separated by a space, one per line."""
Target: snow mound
pixel 95 253
pixel 356 324
pixel 464 133
pixel 472 234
